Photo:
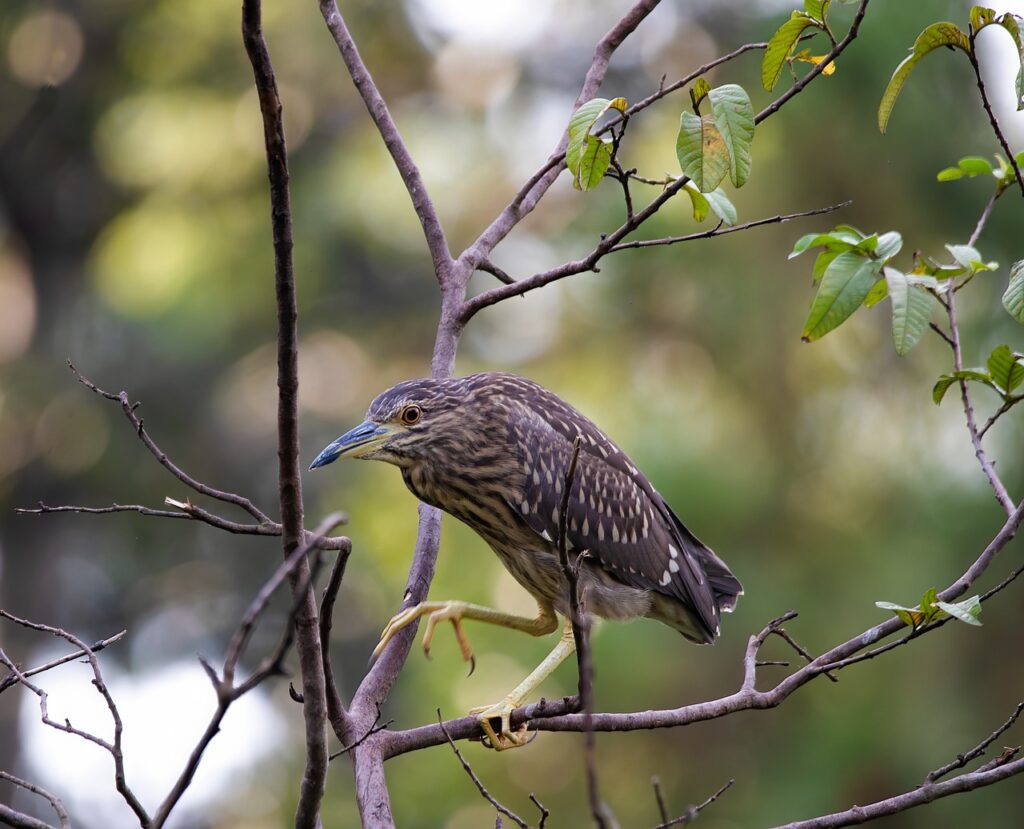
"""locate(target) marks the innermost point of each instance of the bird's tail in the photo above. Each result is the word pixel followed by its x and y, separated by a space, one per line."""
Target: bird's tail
pixel 725 586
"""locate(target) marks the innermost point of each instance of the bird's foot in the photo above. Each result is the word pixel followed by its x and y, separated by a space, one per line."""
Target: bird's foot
pixel 504 737
pixel 435 612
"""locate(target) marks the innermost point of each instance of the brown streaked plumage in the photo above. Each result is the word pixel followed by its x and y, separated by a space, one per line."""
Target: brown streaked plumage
pixel 492 450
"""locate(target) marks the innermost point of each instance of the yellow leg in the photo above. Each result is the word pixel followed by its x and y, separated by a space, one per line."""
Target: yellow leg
pixel 455 612
pixel 505 737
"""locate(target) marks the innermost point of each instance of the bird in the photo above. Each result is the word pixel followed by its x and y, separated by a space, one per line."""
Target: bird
pixel 492 449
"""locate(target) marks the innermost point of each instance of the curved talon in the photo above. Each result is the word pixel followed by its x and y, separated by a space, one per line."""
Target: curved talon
pixel 435 612
pixel 506 738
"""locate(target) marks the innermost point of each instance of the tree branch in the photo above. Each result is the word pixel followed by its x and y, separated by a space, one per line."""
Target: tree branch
pixel 433 232
pixel 545 716
pixel 11 679
pixel 973 58
pixel 307 633
pixel 113 748
pixel 54 801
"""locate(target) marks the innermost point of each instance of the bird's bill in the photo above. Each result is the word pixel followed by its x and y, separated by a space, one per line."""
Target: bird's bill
pixel 355 443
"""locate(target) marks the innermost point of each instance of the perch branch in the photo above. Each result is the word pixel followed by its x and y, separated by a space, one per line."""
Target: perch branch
pixel 52 799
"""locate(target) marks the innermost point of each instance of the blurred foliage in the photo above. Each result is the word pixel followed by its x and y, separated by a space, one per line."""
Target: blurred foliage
pixel 134 239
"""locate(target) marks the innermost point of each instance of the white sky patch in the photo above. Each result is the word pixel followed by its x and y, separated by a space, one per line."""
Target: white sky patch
pixel 164 712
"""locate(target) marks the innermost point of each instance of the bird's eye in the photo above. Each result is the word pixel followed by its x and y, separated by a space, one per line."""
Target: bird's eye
pixel 411 415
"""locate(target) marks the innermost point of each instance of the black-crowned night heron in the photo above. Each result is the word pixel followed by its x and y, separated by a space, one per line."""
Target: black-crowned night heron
pixel 493 449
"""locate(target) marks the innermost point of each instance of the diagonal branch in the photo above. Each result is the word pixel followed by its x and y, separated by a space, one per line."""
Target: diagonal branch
pixel 433 232
pixel 138 425
pixel 535 188
pixel 11 679
pixel 52 799
pixel 973 58
pixel 611 243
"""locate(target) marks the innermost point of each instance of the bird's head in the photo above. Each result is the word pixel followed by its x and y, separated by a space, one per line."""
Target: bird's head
pixel 404 424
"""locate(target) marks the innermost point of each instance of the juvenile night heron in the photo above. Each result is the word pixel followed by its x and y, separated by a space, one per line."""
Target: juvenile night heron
pixel 492 449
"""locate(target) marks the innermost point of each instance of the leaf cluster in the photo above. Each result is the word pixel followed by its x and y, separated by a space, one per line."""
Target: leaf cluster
pixel 931 609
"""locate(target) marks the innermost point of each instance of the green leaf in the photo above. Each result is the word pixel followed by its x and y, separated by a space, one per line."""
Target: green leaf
pixel 581 142
pixel 911 311
pixel 817 8
pixel 1011 23
pixel 847 281
pixel 701 206
pixel 966 611
pixel 836 240
pixel 702 152
pixel 935 35
pixel 822 262
pixel 597 155
pixel 927 605
pixel 1005 369
pixel 698 92
pixel 949 174
pixel 1013 299
pixel 779 47
pixel 878 292
pixel 889 245
pixel 734 117
pixel 722 207
pixel 947 380
pixel 974 165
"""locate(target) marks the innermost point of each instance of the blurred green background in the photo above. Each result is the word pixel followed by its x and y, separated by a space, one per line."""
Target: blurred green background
pixel 134 240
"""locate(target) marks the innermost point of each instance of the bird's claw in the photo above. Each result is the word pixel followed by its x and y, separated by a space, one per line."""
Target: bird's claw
pixel 503 738
pixel 435 612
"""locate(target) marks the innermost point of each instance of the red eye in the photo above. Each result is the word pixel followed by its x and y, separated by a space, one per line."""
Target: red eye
pixel 411 415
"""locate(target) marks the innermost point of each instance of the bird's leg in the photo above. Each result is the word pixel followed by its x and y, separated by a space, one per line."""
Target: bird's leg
pixel 455 612
pixel 502 711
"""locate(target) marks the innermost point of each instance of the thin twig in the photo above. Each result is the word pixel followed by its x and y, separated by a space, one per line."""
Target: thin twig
pixel 336 713
pixel 660 799
pixel 963 759
pixel 691 813
pixel 518 821
pixel 985 214
pixel 544 811
pixel 786 637
pixel 1002 496
pixel 721 230
pixel 114 748
pixel 581 636
pixel 373 729
pixel 138 425
pixel 11 679
pixel 52 799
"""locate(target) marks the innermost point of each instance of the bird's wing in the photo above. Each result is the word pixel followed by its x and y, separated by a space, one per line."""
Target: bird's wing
pixel 613 511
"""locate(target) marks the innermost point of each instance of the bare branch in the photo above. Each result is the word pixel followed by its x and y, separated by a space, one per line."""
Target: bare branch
pixel 611 243
pixel 138 425
pixel 721 230
pixel 11 679
pixel 660 799
pixel 189 512
pixel 53 800
pixel 692 812
pixel 19 820
pixel 985 214
pixel 336 714
pixel 1002 496
pixel 908 800
pixel 547 716
pixel 581 635
pixel 973 58
pixel 433 232
pixel 518 821
pixel 307 633
pixel 113 748
pixel 531 193
pixel 965 758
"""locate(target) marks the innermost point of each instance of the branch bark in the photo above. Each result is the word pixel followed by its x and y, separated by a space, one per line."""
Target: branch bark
pixel 314 690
